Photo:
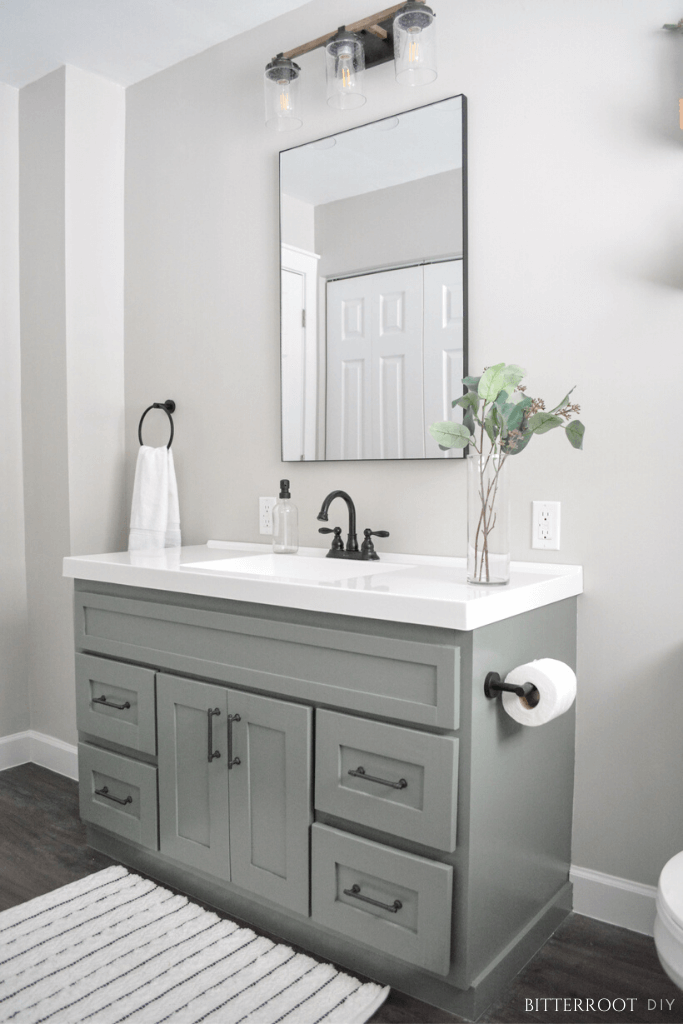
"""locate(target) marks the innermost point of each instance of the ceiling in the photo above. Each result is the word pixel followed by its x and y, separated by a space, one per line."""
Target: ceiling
pixel 409 147
pixel 122 40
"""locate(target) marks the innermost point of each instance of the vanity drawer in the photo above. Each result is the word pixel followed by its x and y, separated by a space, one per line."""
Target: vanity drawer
pixel 404 781
pixel 390 900
pixel 118 794
pixel 115 702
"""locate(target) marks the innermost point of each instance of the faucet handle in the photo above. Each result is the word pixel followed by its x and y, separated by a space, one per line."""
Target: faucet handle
pixel 367 548
pixel 337 543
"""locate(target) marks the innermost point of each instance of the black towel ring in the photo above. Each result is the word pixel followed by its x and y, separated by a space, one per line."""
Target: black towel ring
pixel 168 406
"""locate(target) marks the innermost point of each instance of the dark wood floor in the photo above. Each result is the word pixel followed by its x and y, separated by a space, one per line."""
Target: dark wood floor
pixel 42 846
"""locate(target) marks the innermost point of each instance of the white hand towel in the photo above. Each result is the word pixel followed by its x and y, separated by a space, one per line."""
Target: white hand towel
pixel 155 515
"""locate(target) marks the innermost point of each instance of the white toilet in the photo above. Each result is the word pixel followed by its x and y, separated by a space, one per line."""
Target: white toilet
pixel 669 919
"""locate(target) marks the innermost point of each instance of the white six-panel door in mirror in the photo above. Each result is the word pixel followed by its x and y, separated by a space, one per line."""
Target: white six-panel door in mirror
pixel 394 359
pixel 372 230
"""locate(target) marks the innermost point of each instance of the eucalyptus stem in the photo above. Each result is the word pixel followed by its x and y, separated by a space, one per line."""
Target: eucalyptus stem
pixel 497 404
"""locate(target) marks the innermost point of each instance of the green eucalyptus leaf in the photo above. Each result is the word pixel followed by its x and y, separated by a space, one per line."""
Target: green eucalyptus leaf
pixel 450 435
pixel 468 401
pixel 468 420
pixel 516 414
pixel 491 382
pixel 490 425
pixel 564 401
pixel 575 431
pixel 542 422
pixel 471 382
pixel 497 378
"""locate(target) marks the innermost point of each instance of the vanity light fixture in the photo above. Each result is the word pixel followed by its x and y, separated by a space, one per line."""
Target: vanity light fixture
pixel 282 94
pixel 414 44
pixel 345 60
pixel 403 33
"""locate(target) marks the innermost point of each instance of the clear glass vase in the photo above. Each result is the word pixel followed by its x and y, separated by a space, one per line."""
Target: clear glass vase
pixel 488 544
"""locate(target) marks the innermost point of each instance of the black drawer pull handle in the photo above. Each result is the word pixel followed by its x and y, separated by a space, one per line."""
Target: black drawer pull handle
pixel 111 704
pixel 110 796
pixel 354 891
pixel 359 773
pixel 232 760
pixel 210 713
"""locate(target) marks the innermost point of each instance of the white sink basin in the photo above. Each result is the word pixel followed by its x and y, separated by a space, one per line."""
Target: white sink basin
pixel 297 567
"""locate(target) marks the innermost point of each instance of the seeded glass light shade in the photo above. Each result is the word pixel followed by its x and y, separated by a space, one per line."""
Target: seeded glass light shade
pixel 281 83
pixel 345 59
pixel 414 44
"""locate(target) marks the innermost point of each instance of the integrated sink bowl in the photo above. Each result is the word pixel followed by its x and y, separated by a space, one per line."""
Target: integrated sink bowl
pixel 297 567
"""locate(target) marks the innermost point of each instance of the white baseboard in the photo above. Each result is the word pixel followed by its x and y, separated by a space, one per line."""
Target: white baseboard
pixel 603 897
pixel 614 900
pixel 45 750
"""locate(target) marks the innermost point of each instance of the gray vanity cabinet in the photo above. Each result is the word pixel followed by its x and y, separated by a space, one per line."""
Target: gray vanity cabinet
pixel 341 782
pixel 234 786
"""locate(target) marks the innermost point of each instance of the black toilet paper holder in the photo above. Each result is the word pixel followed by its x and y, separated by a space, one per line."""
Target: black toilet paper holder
pixel 493 685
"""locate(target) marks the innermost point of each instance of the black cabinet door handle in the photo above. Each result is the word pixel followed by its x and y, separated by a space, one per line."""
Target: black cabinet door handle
pixel 111 704
pixel 360 773
pixel 354 891
pixel 210 713
pixel 110 796
pixel 232 760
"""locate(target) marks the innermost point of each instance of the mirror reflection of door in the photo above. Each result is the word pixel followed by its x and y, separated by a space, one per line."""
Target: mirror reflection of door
pixel 379 212
pixel 293 364
pixel 298 353
pixel 394 356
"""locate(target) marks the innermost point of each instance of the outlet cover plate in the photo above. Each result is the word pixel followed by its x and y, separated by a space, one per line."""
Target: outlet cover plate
pixel 265 515
pixel 545 525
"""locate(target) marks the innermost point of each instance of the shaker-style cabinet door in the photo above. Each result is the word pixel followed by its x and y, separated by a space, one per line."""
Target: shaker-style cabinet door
pixel 192 719
pixel 270 798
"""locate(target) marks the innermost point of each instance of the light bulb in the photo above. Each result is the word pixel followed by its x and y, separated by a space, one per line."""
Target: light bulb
pixel 345 60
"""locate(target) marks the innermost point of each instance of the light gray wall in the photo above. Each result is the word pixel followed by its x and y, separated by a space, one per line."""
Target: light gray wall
pixel 94 183
pixel 408 223
pixel 43 399
pixel 71 145
pixel 575 216
pixel 297 223
pixel 14 709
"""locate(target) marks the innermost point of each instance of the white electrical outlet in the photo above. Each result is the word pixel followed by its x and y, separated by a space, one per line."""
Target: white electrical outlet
pixel 545 525
pixel 265 514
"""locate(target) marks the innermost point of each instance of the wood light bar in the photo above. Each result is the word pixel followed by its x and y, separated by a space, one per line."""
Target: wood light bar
pixel 372 25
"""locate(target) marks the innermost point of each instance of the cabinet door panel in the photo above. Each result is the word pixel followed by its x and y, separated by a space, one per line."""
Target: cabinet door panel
pixel 193 791
pixel 270 798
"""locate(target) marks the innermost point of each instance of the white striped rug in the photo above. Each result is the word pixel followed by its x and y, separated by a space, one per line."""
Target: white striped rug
pixel 116 947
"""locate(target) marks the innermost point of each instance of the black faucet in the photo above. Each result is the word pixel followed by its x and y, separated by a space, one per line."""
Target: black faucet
pixel 367 551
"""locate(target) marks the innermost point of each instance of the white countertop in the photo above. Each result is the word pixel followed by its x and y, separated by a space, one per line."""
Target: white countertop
pixel 427 589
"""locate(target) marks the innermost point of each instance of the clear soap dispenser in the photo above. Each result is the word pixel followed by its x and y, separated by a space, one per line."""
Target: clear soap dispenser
pixel 285 523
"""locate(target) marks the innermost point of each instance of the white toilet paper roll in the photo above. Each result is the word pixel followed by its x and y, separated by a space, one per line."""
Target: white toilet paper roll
pixel 556 685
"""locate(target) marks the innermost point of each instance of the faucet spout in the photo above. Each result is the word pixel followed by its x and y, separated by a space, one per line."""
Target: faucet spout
pixel 352 539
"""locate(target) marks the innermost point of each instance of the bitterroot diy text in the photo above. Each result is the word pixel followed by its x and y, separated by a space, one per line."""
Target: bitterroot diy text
pixel 574 1005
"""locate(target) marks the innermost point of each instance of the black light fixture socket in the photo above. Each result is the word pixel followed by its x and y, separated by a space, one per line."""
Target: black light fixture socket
pixel 282 68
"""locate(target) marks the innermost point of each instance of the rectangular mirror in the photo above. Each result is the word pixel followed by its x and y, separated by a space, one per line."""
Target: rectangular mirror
pixel 373 306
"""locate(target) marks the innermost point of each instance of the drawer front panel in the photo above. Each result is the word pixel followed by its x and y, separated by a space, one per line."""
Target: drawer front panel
pixel 118 794
pixel 116 702
pixel 401 679
pixel 404 781
pixel 390 900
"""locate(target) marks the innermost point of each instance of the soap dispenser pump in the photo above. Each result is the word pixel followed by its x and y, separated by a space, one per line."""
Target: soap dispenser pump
pixel 285 523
